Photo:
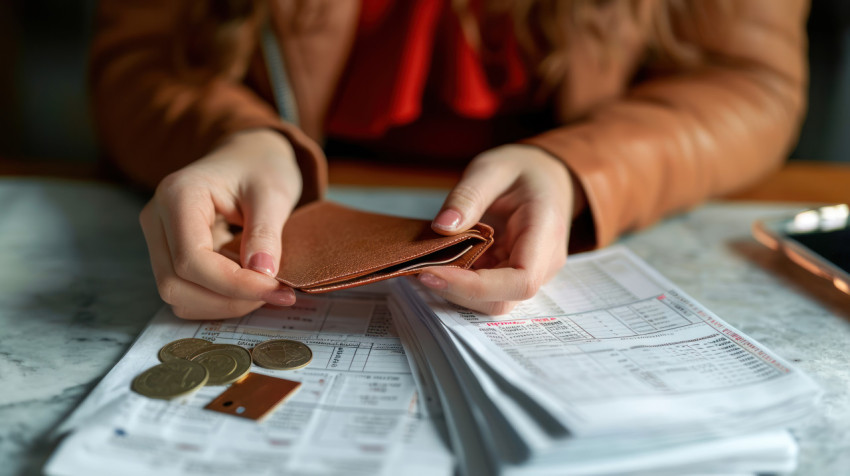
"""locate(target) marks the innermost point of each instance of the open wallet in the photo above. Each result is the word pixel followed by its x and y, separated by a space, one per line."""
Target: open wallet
pixel 327 246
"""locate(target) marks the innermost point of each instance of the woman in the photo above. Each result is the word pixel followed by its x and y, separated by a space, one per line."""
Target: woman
pixel 578 119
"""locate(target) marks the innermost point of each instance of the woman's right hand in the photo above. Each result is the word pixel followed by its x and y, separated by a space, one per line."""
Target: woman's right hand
pixel 251 180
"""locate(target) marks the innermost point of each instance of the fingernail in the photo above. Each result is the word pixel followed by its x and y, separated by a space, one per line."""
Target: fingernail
pixel 448 220
pixel 262 262
pixel 280 297
pixel 432 281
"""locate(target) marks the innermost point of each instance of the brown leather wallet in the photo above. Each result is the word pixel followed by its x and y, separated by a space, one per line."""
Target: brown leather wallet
pixel 327 246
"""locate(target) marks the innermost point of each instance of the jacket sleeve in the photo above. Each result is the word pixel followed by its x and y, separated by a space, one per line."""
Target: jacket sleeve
pixel 153 120
pixel 681 137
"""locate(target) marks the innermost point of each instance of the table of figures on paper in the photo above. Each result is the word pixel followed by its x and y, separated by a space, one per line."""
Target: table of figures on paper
pixel 358 398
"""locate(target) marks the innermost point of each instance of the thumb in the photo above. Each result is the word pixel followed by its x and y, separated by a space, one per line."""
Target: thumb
pixel 265 211
pixel 479 187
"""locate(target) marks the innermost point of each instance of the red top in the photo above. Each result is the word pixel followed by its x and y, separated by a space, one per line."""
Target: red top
pixel 415 86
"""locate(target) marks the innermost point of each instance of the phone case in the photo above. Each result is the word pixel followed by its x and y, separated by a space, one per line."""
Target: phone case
pixel 769 235
pixel 327 246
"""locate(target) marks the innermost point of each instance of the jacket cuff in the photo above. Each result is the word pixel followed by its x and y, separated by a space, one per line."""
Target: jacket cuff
pixel 311 160
pixel 595 226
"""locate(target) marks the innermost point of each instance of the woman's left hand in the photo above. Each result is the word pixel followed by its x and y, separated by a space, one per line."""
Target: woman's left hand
pixel 527 195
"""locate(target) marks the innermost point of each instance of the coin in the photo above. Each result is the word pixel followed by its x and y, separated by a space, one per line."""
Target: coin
pixel 181 349
pixel 225 363
pixel 282 354
pixel 211 347
pixel 171 379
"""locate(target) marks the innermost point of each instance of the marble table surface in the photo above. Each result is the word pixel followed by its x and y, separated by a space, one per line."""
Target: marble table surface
pixel 76 289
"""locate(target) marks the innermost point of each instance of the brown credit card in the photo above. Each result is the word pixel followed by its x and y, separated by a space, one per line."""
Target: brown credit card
pixel 254 397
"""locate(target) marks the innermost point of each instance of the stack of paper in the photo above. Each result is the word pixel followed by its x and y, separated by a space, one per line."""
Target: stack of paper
pixel 610 369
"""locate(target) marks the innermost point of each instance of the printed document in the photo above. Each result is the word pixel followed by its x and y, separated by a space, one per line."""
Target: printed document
pixel 356 412
pixel 610 369
pixel 608 361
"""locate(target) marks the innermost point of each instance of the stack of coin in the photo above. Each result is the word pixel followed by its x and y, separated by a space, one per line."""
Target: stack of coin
pixel 189 364
pixel 227 363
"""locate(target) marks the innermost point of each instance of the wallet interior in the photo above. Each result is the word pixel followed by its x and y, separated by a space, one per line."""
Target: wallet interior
pixel 438 258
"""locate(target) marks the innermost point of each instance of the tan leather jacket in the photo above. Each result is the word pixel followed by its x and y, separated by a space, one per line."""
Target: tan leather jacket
pixel 640 152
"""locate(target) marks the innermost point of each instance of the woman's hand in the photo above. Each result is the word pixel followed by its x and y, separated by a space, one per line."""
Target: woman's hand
pixel 527 196
pixel 251 180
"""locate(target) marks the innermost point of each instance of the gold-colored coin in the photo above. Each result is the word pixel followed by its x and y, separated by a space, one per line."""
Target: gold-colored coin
pixel 171 379
pixel 226 363
pixel 181 349
pixel 211 347
pixel 282 354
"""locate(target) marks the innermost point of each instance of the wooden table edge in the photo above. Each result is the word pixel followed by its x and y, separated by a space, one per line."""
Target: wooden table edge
pixel 796 181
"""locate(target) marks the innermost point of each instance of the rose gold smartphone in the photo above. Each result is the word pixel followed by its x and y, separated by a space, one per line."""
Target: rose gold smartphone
pixel 817 239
